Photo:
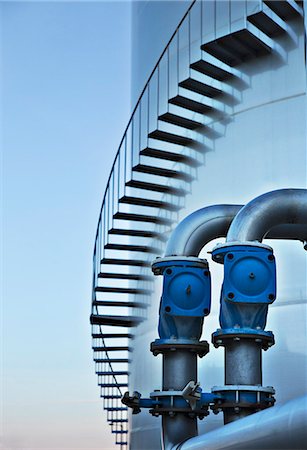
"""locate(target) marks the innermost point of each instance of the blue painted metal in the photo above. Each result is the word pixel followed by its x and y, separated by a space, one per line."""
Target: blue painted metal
pixel 186 294
pixel 164 402
pixel 249 285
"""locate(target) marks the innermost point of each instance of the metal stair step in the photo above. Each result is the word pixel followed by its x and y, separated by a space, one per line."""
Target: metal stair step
pixel 121 290
pixel 125 262
pixel 131 248
pixel 149 203
pixel 117 321
pixel 111 397
pixel 119 420
pixel 111 335
pixel 111 385
pixel 268 22
pixel 169 156
pixel 124 276
pixel 191 105
pixel 111 349
pixel 116 303
pixel 156 187
pixel 162 172
pixel 112 360
pixel 237 47
pixel 142 218
pixel 200 88
pixel 211 70
pixel 284 8
pixel 183 122
pixel 115 373
pixel 136 233
pixel 170 137
pixel 118 408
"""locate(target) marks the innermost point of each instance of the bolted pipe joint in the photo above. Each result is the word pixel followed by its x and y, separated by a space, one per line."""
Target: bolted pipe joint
pixel 185 301
pixel 249 287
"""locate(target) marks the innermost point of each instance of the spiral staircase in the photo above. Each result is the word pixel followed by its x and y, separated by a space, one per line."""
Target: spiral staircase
pixel 191 92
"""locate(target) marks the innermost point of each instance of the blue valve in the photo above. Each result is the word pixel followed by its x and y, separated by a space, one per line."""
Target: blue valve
pixel 249 284
pixel 186 294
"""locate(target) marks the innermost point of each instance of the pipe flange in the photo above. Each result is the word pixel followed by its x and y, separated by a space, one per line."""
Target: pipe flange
pixel 237 397
pixel 163 346
pixel 220 250
pixel 159 265
pixel 172 402
pixel 222 337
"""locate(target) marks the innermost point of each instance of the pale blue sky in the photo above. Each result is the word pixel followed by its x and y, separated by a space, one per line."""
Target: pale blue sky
pixel 66 90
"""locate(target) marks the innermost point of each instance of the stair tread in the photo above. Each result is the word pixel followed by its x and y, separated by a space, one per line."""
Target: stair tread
pixel 162 154
pixel 200 88
pixel 268 22
pixel 117 303
pixel 136 233
pixel 285 9
pixel 119 420
pixel 147 202
pixel 112 360
pixel 110 349
pixel 161 171
pixel 125 262
pixel 156 187
pixel 119 408
pixel 207 68
pixel 111 397
pixel 235 48
pixel 142 218
pixel 180 121
pixel 113 372
pixel 118 321
pixel 120 290
pixel 111 335
pixel 190 104
pixel 110 385
pixel 170 137
pixel 124 276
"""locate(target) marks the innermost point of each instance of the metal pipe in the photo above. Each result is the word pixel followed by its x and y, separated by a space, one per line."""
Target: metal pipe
pixel 199 228
pixel 258 217
pixel 212 222
pixel 179 367
pixel 243 366
pixel 281 427
pixel 243 363
pixel 267 215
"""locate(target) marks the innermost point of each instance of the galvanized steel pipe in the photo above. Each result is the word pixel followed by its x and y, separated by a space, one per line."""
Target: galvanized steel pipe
pixel 258 217
pixel 278 428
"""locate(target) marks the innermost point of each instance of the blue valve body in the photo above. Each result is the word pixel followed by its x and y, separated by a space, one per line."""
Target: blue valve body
pixel 249 285
pixel 186 294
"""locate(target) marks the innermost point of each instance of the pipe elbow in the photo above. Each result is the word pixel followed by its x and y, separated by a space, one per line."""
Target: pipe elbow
pixel 199 228
pixel 287 207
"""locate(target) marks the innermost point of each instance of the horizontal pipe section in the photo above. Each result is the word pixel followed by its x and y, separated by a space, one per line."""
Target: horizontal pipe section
pixel 212 222
pixel 282 427
pixel 258 217
pixel 199 228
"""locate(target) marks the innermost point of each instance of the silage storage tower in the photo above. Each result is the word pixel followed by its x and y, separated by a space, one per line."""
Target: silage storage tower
pixel 219 118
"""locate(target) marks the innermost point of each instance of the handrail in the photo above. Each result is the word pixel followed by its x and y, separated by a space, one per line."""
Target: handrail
pixel 136 106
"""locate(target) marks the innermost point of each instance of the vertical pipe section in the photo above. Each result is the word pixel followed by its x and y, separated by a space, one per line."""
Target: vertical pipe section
pixel 243 363
pixel 179 367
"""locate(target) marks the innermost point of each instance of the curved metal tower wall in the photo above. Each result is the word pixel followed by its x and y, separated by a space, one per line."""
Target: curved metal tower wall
pixel 257 146
pixel 153 23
